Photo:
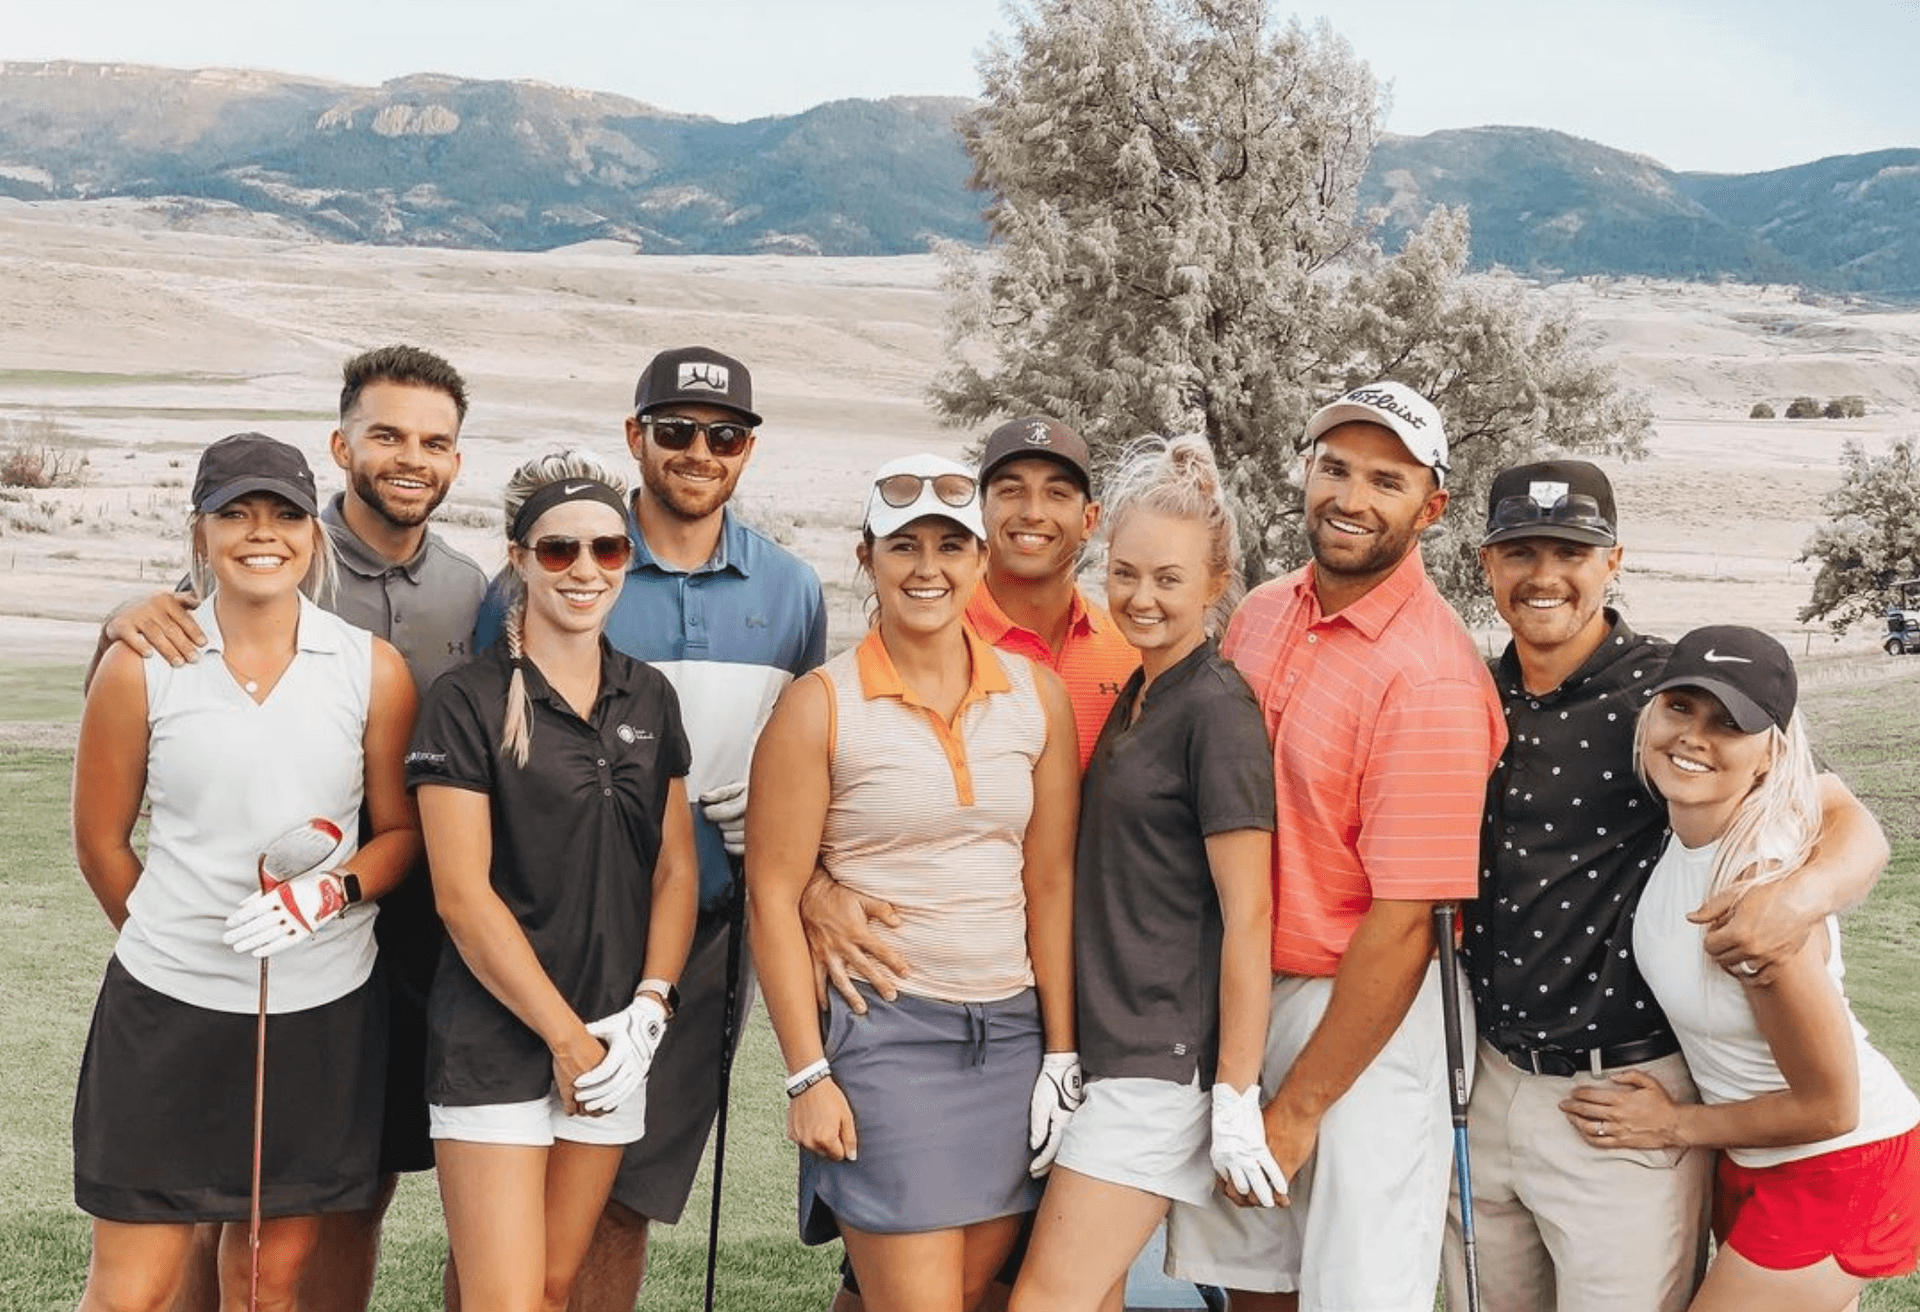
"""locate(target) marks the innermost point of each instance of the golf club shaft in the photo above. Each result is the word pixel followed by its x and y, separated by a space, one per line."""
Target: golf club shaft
pixel 1443 920
pixel 730 1023
pixel 259 1136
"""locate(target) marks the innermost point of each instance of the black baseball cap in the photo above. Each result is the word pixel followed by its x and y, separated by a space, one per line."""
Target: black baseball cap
pixel 253 462
pixel 695 375
pixel 1748 671
pixel 1036 435
pixel 1567 499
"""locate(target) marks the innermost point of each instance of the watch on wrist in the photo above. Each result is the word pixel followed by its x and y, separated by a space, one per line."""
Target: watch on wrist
pixel 669 994
pixel 350 885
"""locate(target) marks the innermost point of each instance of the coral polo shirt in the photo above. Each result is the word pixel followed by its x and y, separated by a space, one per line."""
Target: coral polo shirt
pixel 1094 661
pixel 1385 727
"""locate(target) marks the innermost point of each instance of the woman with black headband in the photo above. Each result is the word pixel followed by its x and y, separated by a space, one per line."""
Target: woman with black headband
pixel 550 773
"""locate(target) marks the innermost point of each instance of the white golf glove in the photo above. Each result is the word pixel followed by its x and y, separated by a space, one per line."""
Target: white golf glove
pixel 632 1036
pixel 726 808
pixel 274 920
pixel 1056 1095
pixel 1239 1151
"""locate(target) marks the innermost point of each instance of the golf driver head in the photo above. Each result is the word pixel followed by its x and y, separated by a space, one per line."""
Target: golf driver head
pixel 299 850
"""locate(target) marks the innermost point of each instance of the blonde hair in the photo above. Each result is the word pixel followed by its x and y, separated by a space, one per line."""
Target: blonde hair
pixel 516 730
pixel 318 585
pixel 1177 477
pixel 1774 830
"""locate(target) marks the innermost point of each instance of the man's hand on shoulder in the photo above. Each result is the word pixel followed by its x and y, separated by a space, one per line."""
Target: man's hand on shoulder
pixel 161 623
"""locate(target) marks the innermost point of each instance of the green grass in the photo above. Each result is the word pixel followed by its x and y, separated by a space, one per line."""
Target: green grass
pixel 57 943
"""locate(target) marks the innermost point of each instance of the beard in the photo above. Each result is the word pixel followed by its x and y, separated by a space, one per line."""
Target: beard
pixel 1388 548
pixel 368 490
pixel 681 499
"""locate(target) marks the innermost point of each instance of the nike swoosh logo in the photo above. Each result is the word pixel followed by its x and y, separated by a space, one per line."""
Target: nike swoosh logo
pixel 1717 659
pixel 575 489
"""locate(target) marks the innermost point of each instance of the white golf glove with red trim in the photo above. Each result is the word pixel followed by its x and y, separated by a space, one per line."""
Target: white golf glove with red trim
pixel 1057 1094
pixel 277 918
pixel 726 809
pixel 1239 1150
pixel 632 1036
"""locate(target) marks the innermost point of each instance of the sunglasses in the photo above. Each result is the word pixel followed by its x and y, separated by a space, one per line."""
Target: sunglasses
pixel 676 433
pixel 1574 511
pixel 557 553
pixel 902 490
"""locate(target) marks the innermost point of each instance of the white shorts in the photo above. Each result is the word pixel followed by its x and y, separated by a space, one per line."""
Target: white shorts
pixel 538 1122
pixel 1151 1135
pixel 1370 1205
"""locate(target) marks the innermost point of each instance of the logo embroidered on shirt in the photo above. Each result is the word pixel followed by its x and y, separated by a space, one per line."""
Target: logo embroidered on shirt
pixel 626 733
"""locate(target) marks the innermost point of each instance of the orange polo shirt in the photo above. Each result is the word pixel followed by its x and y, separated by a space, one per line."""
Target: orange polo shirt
pixel 1385 727
pixel 1094 661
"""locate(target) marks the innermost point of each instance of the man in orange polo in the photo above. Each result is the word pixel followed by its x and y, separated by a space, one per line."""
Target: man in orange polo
pixel 1385 726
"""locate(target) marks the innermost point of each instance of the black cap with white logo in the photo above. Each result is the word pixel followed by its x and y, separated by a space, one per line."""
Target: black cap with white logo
pixel 1567 499
pixel 1748 671
pixel 695 375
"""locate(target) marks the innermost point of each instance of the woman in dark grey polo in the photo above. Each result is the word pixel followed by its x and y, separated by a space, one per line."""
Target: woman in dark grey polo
pixel 1172 902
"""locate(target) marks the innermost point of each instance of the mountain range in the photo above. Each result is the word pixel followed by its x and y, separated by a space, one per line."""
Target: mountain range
pixel 445 161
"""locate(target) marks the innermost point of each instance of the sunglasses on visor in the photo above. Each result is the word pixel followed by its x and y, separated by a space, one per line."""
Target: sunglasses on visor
pixel 676 433
pixel 902 490
pixel 1573 510
pixel 557 553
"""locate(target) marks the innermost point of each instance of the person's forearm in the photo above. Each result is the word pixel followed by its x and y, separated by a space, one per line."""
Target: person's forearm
pixel 670 924
pixel 1050 946
pixel 1246 999
pixel 384 862
pixel 496 950
pixel 111 874
pixel 786 980
pixel 1373 988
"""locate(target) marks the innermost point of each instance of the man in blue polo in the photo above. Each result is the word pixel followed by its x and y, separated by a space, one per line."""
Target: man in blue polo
pixel 731 618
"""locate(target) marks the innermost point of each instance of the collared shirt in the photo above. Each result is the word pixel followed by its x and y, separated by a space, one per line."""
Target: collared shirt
pixel 1570 838
pixel 424 606
pixel 730 635
pixel 575 836
pixel 1146 915
pixel 930 814
pixel 1094 661
pixel 1384 727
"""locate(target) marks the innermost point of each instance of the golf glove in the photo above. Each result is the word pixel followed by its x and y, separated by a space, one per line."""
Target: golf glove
pixel 1056 1095
pixel 726 808
pixel 278 917
pixel 1240 1153
pixel 632 1037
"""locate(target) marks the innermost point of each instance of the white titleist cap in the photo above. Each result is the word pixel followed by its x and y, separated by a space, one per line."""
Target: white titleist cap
pixel 1394 406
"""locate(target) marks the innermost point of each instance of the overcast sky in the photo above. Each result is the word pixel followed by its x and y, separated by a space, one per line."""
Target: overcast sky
pixel 1718 85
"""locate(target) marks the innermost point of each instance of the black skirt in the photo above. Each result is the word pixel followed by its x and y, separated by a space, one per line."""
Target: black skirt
pixel 163 1119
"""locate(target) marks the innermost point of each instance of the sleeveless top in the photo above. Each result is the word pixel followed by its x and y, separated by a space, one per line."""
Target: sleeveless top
pixel 225 777
pixel 932 816
pixel 1725 1051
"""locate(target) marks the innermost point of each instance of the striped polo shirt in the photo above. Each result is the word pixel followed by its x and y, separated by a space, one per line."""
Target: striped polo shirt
pixel 931 815
pixel 1094 661
pixel 1385 727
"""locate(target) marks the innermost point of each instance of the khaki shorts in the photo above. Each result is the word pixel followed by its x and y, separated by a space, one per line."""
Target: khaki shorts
pixel 1369 1206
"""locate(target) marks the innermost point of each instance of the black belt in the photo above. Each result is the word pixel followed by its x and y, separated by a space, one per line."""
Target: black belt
pixel 1572 1061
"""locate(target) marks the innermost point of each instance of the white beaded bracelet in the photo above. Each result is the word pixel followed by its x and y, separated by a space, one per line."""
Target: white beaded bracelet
pixel 806 1077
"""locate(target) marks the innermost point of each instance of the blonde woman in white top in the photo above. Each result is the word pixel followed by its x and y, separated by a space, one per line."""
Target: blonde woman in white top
pixel 926 768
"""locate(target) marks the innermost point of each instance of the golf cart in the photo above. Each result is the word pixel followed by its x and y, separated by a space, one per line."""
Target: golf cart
pixel 1903 619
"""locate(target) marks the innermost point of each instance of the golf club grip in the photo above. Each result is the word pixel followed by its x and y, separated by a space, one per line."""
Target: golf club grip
pixel 1443 918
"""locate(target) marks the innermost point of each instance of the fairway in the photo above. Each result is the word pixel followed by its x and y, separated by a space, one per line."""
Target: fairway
pixel 58 942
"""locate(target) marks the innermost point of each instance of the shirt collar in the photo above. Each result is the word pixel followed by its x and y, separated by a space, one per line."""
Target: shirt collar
pixel 985 616
pixel 313 633
pixel 735 550
pixel 1182 670
pixel 362 559
pixel 1369 615
pixel 615 678
pixel 1620 637
pixel 879 678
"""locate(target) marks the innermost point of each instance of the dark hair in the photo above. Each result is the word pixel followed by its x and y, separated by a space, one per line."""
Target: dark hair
pixel 408 365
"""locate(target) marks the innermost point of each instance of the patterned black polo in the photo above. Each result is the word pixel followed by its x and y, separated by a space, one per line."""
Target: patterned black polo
pixel 1569 839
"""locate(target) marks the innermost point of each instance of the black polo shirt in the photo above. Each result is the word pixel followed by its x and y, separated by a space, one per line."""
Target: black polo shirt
pixel 1569 840
pixel 1146 918
pixel 576 833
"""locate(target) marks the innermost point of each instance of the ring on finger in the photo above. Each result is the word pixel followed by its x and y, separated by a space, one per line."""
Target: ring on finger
pixel 1747 968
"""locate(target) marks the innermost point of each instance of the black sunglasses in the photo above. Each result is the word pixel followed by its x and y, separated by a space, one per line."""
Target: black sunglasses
pixel 902 490
pixel 676 433
pixel 1574 510
pixel 557 553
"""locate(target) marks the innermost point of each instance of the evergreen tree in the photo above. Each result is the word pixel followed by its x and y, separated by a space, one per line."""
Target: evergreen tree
pixel 1176 247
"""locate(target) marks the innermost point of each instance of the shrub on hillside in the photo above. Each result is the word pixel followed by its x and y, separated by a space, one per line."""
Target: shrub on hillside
pixel 1803 407
pixel 1761 410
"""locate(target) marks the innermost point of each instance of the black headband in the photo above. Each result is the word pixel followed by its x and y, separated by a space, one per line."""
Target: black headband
pixel 558 493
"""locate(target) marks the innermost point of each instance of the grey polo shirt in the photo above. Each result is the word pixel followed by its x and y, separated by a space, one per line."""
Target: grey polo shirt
pixel 424 606
pixel 1146 918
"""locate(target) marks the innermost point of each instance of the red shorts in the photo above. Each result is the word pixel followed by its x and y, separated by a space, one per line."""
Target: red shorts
pixel 1859 1206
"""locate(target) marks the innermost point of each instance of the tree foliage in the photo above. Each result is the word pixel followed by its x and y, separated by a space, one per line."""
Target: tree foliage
pixel 1761 410
pixel 1871 536
pixel 1177 247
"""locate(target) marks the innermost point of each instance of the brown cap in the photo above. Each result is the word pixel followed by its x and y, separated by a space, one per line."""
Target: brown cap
pixel 1036 435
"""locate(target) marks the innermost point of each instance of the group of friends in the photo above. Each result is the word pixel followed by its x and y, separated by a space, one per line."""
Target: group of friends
pixel 1070 921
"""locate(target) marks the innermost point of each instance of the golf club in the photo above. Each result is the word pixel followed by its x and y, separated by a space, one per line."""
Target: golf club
pixel 293 853
pixel 1443 916
pixel 730 1021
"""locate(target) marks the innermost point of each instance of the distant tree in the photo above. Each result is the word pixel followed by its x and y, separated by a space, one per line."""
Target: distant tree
pixel 1761 410
pixel 1870 538
pixel 1852 407
pixel 1803 407
pixel 1175 247
pixel 1833 410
